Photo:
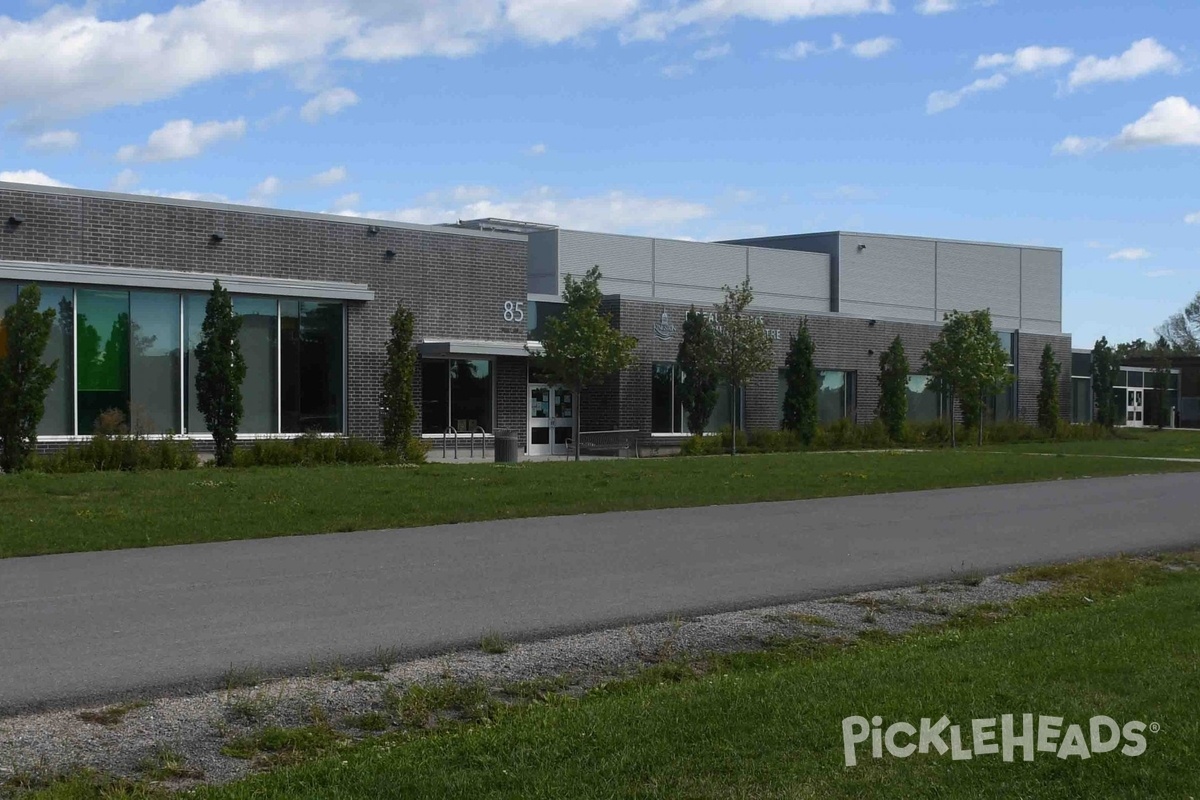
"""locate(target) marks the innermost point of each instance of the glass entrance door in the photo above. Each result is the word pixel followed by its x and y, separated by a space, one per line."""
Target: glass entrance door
pixel 551 418
pixel 1135 409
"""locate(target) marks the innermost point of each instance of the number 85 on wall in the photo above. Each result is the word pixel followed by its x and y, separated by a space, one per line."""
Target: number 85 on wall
pixel 514 311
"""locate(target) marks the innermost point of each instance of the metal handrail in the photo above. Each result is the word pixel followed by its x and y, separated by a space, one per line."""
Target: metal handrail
pixel 446 433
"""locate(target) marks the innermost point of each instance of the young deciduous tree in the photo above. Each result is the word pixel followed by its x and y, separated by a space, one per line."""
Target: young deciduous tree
pixel 743 346
pixel 1105 371
pixel 220 372
pixel 1161 381
pixel 893 389
pixel 1181 331
pixel 697 363
pixel 24 379
pixel 801 383
pixel 580 346
pixel 396 405
pixel 967 361
pixel 1047 402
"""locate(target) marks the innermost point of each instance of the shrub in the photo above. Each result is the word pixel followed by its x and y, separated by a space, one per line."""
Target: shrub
pixel 415 450
pixel 110 449
pixel 313 448
pixel 698 445
pixel 766 440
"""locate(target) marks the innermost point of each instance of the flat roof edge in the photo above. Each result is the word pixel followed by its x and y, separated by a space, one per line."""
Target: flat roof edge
pixel 236 208
pixel 814 234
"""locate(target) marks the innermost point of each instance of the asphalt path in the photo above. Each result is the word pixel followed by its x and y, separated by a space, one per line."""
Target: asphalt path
pixel 91 626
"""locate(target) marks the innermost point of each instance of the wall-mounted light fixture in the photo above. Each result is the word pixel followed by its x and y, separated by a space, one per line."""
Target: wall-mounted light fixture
pixel 871 323
pixel 862 247
pixel 870 352
pixel 217 236
pixel 389 253
pixel 372 230
pixel 15 219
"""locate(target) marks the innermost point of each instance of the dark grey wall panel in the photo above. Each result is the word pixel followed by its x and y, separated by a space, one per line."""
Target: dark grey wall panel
pixel 698 264
pixel 543 262
pixel 802 277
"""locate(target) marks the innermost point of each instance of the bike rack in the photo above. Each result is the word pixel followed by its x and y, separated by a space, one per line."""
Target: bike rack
pixel 446 433
pixel 482 441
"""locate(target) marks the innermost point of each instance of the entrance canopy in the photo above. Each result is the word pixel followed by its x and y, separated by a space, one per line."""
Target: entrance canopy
pixel 434 348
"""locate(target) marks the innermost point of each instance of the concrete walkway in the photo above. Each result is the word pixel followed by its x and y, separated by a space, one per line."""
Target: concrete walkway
pixel 89 625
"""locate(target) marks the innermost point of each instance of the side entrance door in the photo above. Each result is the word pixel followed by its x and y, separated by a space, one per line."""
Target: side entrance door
pixel 551 419
pixel 1135 410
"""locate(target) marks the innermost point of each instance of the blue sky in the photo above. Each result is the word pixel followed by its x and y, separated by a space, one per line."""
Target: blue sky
pixel 1071 124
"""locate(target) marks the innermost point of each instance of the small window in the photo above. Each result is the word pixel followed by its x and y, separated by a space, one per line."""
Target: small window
pixel 836 395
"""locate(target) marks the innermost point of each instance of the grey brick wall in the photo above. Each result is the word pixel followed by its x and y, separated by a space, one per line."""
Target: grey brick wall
pixel 845 343
pixel 1029 381
pixel 454 282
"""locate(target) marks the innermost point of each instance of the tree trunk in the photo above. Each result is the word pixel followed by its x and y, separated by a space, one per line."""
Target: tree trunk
pixel 953 425
pixel 578 416
pixel 733 420
pixel 981 423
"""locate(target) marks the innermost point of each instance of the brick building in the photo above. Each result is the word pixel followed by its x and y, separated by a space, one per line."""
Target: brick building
pixel 129 275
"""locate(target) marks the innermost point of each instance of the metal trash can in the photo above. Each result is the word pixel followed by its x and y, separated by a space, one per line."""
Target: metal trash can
pixel 506 447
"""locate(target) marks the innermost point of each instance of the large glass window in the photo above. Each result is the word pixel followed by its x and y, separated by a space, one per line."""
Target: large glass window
pixel 835 395
pixel 103 342
pixel 59 416
pixel 666 407
pixel 1003 406
pixel 456 394
pixel 154 396
pixel 258 339
pixel 311 364
pixel 1081 400
pixel 193 319
pixel 536 314
pixel 924 404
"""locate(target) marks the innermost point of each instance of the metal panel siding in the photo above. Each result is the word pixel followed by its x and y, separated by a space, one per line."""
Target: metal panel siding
pixel 1041 326
pixel 886 311
pixel 619 257
pixel 1041 288
pixel 786 302
pixel 689 294
pixel 631 288
pixel 543 262
pixel 888 272
pixel 971 277
pixel 781 272
pixel 698 264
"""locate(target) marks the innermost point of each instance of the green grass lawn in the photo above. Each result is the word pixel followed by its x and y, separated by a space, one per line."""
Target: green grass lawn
pixel 100 511
pixel 768 725
pixel 1148 442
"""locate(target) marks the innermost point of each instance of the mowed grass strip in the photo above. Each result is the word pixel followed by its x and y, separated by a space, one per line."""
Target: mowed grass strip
pixel 41 514
pixel 1147 443
pixel 769 725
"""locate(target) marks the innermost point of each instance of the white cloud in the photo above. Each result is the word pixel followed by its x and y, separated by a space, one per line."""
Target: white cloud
pixel 874 48
pixel 707 13
pixel 868 48
pixel 328 103
pixel 1027 59
pixel 125 181
pixel 266 189
pixel 1079 146
pixel 329 177
pixel 931 7
pixel 1144 57
pixel 1161 273
pixel 54 141
pixel 207 197
pixel 347 202
pixel 946 100
pixel 182 138
pixel 677 70
pixel 30 176
pixel 714 51
pixel 1192 219
pixel 538 149
pixel 554 21
pixel 610 212
pixel 1130 254
pixel 1173 121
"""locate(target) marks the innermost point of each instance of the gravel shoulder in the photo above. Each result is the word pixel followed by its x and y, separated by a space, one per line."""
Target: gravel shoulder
pixel 123 740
